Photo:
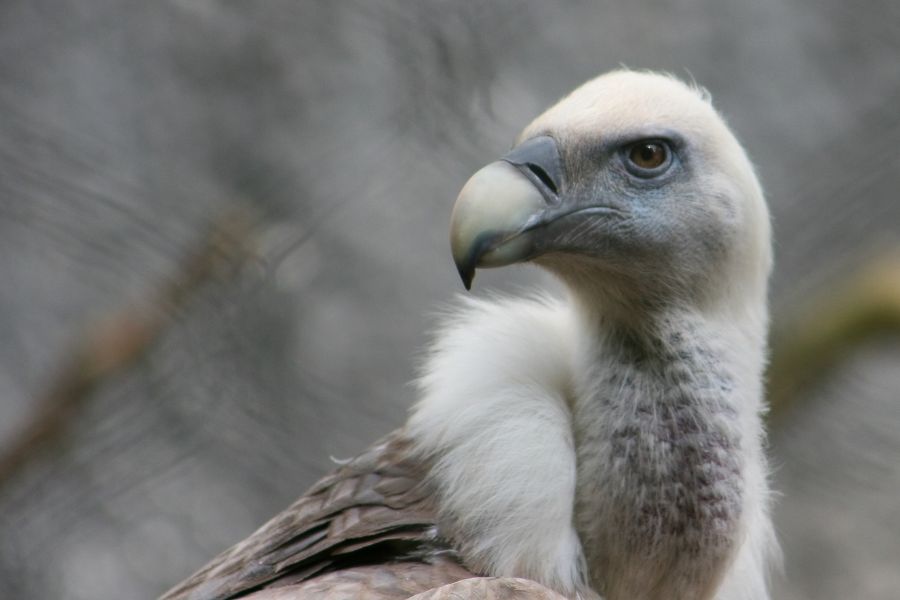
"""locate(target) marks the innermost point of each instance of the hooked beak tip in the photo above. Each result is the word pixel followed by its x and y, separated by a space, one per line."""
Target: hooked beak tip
pixel 467 274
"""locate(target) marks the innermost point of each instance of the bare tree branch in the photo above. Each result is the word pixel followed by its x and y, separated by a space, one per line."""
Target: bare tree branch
pixel 121 339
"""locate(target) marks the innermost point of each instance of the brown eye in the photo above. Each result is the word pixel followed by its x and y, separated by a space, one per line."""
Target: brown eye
pixel 648 158
pixel 648 155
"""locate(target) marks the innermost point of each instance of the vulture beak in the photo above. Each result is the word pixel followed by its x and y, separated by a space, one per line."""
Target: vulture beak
pixel 502 204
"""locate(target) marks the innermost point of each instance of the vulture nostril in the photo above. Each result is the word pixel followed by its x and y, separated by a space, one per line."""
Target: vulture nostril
pixel 541 174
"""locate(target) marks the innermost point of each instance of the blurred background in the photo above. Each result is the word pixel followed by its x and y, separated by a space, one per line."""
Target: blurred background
pixel 223 241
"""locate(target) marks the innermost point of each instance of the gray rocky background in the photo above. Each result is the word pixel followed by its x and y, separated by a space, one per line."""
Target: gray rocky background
pixel 340 133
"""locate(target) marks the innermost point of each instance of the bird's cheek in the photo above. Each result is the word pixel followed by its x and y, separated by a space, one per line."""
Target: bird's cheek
pixel 593 232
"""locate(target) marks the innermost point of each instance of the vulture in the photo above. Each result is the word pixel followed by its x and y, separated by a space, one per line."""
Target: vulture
pixel 607 443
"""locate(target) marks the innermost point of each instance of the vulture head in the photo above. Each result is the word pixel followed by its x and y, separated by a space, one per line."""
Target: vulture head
pixel 631 189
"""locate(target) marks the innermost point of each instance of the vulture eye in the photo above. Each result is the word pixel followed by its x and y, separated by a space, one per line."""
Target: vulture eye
pixel 648 158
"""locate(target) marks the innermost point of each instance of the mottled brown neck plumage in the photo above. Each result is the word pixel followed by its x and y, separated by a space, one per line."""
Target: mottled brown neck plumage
pixel 660 459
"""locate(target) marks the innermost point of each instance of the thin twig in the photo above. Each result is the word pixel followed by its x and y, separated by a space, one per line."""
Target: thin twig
pixel 122 339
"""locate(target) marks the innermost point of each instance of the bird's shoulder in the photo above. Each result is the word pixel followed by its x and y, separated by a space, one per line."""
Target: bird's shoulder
pixel 374 509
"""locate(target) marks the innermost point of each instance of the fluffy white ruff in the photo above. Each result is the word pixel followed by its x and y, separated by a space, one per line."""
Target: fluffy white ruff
pixel 494 417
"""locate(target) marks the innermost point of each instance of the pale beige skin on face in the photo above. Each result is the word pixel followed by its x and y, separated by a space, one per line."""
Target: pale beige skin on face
pixel 608 443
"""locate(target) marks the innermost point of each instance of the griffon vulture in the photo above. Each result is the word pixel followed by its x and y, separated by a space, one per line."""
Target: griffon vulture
pixel 608 443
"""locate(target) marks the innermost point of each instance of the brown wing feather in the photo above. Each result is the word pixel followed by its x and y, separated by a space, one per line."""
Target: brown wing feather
pixel 375 509
pixel 412 582
pixel 390 581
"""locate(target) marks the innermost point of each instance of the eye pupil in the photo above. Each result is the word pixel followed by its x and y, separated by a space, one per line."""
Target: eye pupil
pixel 648 155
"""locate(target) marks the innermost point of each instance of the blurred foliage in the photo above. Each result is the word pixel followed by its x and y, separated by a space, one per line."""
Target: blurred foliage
pixel 821 332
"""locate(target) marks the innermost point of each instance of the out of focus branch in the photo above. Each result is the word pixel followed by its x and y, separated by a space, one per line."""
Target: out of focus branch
pixel 121 339
pixel 826 330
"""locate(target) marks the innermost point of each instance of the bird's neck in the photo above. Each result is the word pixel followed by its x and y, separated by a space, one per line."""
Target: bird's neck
pixel 662 408
pixel 715 340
